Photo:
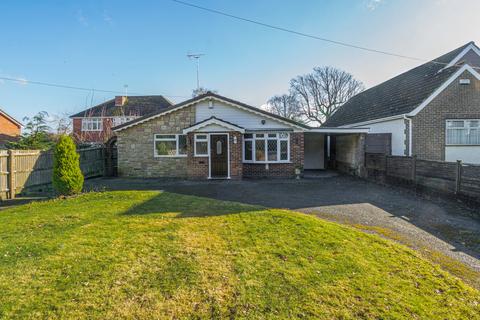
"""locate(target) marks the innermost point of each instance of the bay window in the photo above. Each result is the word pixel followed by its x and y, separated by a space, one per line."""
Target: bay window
pixel 170 145
pixel 92 124
pixel 266 147
pixel 463 132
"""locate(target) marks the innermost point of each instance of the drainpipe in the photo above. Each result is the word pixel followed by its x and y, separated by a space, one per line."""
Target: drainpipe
pixel 410 124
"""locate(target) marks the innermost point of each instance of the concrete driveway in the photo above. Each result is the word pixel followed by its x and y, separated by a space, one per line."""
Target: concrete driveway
pixel 438 225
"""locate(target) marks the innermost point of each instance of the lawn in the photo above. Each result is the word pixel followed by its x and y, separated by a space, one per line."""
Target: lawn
pixel 114 255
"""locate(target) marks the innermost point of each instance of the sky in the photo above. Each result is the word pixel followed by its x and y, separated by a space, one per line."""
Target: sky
pixel 105 44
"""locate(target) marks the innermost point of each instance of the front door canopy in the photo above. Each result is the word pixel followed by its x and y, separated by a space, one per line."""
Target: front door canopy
pixel 213 121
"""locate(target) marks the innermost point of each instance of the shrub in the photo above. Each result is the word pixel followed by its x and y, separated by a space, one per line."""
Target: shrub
pixel 67 176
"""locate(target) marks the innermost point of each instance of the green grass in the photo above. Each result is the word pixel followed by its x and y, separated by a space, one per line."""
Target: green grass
pixel 115 255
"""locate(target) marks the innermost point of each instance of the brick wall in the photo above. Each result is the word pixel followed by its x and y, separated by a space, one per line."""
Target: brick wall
pixel 8 130
pixel 93 136
pixel 135 147
pixel 455 102
pixel 279 170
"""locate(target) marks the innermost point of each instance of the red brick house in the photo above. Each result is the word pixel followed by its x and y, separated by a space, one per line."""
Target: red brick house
pixel 9 128
pixel 431 111
pixel 94 125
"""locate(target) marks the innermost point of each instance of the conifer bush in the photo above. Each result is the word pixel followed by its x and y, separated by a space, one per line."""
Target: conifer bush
pixel 67 176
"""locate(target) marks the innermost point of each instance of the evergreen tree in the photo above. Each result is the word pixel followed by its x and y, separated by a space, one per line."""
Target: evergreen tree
pixel 67 176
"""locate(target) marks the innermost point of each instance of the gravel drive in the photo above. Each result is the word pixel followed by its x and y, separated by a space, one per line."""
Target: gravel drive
pixel 437 224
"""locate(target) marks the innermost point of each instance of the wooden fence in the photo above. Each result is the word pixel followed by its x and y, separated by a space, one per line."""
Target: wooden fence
pixel 448 177
pixel 24 171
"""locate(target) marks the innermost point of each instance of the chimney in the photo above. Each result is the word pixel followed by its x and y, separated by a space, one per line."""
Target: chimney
pixel 120 101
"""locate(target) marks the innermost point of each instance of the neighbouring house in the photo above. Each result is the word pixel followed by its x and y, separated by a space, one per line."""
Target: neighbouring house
pixel 9 128
pixel 94 125
pixel 212 136
pixel 431 111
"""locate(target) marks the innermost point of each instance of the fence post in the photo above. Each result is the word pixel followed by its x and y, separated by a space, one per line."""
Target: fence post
pixel 11 174
pixel 458 176
pixel 414 168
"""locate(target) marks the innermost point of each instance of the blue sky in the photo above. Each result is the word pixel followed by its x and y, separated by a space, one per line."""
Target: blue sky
pixel 106 44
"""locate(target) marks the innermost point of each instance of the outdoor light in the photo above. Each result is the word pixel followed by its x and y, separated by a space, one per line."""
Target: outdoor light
pixel 234 140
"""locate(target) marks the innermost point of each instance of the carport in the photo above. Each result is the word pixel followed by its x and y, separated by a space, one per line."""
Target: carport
pixel 335 148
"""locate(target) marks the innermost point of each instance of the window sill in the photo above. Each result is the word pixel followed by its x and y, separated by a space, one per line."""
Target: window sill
pixel 201 155
pixel 462 145
pixel 91 130
pixel 175 156
pixel 267 162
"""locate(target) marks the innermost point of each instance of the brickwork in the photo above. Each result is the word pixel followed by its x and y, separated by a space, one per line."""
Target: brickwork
pixel 8 130
pixel 455 102
pixel 136 147
pixel 93 136
pixel 407 137
pixel 279 170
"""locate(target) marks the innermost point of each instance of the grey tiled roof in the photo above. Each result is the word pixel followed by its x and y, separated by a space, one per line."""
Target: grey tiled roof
pixel 135 106
pixel 399 95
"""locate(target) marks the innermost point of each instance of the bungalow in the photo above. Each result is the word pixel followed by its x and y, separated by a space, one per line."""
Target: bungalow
pixel 431 111
pixel 214 137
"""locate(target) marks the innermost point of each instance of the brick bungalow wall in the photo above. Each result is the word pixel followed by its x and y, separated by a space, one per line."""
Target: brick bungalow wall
pixel 8 130
pixel 279 170
pixel 135 147
pixel 455 102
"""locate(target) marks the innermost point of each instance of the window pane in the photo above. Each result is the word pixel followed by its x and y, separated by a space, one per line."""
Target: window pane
pixel 259 150
pixel 474 136
pixel 201 137
pixel 284 150
pixel 474 123
pixel 455 124
pixel 248 136
pixel 248 151
pixel 272 135
pixel 166 148
pixel 165 137
pixel 283 135
pixel 272 150
pixel 182 144
pixel 201 148
pixel 259 135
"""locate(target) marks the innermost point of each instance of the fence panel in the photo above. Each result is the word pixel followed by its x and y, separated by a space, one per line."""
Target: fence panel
pixel 399 167
pixel 447 177
pixel 92 161
pixel 33 169
pixel 470 181
pixel 3 173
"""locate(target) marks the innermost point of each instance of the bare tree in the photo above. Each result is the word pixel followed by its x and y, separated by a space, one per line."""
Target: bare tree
pixel 323 91
pixel 285 105
pixel 202 90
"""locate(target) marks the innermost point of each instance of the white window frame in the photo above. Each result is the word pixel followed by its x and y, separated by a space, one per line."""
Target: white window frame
pixel 265 138
pixel 466 125
pixel 87 124
pixel 158 137
pixel 207 140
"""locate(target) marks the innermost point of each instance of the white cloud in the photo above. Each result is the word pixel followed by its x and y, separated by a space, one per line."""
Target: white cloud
pixel 107 18
pixel 373 4
pixel 81 18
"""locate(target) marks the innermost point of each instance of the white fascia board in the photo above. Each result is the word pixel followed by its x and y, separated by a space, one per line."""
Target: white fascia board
pixel 339 130
pixel 353 125
pixel 217 99
pixel 471 46
pixel 443 87
pixel 216 122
